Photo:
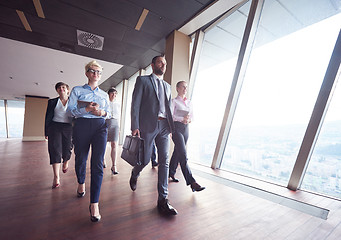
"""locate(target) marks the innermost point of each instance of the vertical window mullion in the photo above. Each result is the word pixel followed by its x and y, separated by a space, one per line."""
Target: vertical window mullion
pixel 317 117
pixel 6 117
pixel 244 53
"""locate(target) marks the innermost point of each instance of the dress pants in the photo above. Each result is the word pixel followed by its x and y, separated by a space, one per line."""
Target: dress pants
pixel 161 138
pixel 86 132
pixel 59 142
pixel 180 137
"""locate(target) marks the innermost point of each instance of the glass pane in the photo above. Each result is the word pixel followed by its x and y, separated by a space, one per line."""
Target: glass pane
pixel 323 174
pixel 212 85
pixel 292 49
pixel 119 89
pixel 16 114
pixel 131 84
pixel 148 71
pixel 2 120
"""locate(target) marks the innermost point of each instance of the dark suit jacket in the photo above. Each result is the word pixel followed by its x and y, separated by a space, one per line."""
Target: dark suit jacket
pixel 51 105
pixel 145 105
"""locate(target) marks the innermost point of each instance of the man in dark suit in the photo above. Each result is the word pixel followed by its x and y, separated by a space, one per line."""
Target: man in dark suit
pixel 151 119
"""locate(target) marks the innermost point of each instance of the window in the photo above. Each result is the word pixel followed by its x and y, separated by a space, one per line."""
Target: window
pixel 323 174
pixel 15 118
pixel 119 89
pixel 16 113
pixel 3 130
pixel 292 49
pixel 148 70
pixel 131 85
pixel 212 84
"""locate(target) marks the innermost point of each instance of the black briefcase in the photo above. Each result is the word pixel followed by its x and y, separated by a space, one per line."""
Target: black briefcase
pixel 132 150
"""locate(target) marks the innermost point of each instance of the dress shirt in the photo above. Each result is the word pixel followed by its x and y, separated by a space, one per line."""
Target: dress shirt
pixel 60 113
pixel 183 105
pixel 115 109
pixel 85 93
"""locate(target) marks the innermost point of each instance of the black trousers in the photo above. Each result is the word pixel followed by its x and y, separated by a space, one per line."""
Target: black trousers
pixel 180 137
pixel 59 142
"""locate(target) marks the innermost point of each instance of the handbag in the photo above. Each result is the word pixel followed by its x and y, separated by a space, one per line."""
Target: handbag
pixel 132 150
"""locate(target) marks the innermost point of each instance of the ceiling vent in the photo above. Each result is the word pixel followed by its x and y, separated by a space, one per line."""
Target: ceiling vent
pixel 90 40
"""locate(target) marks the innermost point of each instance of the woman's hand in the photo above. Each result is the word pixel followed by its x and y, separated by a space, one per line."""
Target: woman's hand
pixel 186 119
pixel 92 107
pixel 98 112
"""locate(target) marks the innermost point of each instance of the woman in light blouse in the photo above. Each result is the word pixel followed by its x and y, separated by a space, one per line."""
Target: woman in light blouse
pixel 182 115
pixel 58 131
pixel 89 105
pixel 113 127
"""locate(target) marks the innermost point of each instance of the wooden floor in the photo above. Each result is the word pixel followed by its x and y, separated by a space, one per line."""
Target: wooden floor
pixel 30 209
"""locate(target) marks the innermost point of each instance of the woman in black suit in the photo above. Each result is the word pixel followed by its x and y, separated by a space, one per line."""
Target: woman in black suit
pixel 58 131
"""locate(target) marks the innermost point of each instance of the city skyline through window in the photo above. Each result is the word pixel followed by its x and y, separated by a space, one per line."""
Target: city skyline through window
pixel 285 71
pixel 279 92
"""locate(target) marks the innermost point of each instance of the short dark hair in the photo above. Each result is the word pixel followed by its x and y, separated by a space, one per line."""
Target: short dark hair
pixel 112 90
pixel 156 57
pixel 59 84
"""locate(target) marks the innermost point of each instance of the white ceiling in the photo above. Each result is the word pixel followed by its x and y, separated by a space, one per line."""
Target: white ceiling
pixel 35 70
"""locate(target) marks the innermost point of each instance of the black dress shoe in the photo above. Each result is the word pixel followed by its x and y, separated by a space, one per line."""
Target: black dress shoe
pixel 165 208
pixel 94 218
pixel 174 179
pixel 80 195
pixel 155 163
pixel 132 183
pixel 196 187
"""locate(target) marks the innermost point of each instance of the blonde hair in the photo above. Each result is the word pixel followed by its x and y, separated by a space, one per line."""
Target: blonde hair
pixel 92 63
pixel 178 83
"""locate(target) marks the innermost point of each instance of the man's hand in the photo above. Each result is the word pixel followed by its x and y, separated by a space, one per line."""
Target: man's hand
pixel 136 132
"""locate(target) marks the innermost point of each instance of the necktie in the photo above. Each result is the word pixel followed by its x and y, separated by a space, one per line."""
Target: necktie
pixel 161 96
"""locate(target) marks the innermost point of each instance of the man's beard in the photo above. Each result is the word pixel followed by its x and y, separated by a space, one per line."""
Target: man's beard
pixel 158 71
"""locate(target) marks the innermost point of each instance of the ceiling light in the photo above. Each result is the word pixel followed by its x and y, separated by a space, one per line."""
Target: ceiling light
pixel 24 20
pixel 38 8
pixel 141 19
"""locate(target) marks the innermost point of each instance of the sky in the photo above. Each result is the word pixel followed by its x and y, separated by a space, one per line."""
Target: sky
pixel 282 81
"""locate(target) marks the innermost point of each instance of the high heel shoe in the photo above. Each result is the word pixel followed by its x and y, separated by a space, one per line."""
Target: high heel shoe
pixel 94 218
pixel 65 169
pixel 57 185
pixel 114 172
pixel 174 179
pixel 80 195
pixel 196 187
